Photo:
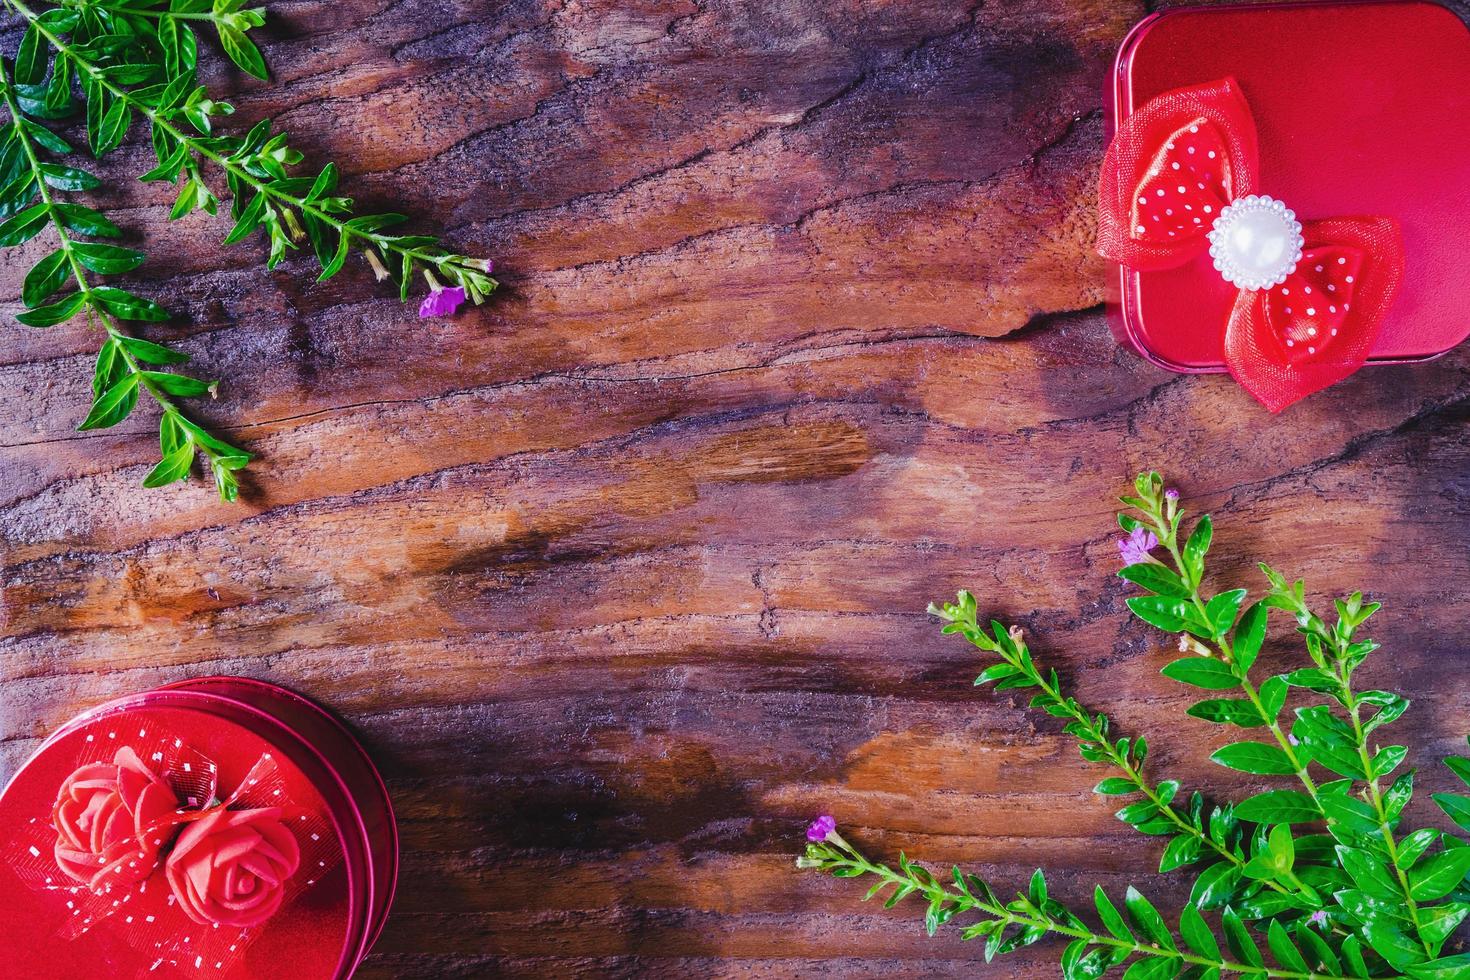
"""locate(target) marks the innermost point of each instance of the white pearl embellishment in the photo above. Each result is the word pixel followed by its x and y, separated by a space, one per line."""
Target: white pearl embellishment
pixel 1256 242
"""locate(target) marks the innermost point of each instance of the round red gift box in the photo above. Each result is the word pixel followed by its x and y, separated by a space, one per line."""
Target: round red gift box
pixel 323 932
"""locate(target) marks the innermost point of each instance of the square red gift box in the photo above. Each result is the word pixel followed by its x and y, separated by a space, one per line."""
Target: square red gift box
pixel 215 828
pixel 1359 109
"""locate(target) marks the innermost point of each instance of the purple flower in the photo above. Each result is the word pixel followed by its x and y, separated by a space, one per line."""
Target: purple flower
pixel 1318 918
pixel 1171 494
pixel 1136 546
pixel 442 301
pixel 820 828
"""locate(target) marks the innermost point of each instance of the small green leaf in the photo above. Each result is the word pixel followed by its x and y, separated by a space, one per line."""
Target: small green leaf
pixel 1412 847
pixel 249 219
pixel 1390 942
pixel 114 127
pixel 1163 612
pixel 1370 873
pixel 151 353
pixel 1250 634
pixel 1222 609
pixel 1238 938
pixel 22 227
pixel 1182 850
pixel 86 221
pixel 1115 786
pixel 1197 934
pixel 1456 807
pixel 242 51
pixel 1447 968
pixel 121 303
pixel 326 182
pixel 1350 813
pixel 1284 949
pixel 1228 711
pixel 1281 848
pixel 66 178
pixel 1437 875
pixel 329 270
pixel 1460 766
pixel 177 384
pixel 1273 696
pixel 107 260
pixel 1278 806
pixel 1111 919
pixel 49 316
pixel 1437 923
pixel 1196 547
pixel 1205 672
pixel 1147 919
pixel 1254 757
pixel 1388 759
pixel 1156 578
pixel 172 468
pixel 1151 968
pixel 30 57
pixel 113 405
pixel 45 278
pixel 1215 886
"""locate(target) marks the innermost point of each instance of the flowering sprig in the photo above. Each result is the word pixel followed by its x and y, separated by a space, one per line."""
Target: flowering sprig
pixel 135 59
pixel 1324 866
pixel 125 364
pixel 1194 835
pixel 1142 939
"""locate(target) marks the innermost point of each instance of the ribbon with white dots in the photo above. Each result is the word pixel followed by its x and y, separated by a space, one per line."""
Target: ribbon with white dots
pixel 1179 188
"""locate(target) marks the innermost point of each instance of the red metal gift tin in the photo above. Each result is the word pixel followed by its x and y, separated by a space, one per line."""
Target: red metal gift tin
pixel 1361 110
pixel 323 930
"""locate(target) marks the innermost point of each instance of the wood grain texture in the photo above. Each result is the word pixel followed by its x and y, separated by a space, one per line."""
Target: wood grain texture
pixel 621 578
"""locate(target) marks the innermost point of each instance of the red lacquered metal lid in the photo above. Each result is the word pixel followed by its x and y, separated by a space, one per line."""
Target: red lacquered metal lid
pixel 1360 108
pixel 344 885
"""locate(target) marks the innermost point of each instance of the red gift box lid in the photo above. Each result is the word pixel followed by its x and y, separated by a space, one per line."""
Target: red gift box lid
pixel 1361 110
pixel 311 936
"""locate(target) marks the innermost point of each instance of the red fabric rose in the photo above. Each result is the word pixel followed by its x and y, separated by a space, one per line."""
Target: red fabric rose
pixel 111 818
pixel 231 866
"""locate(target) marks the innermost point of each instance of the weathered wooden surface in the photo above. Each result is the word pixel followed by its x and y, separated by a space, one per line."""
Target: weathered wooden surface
pixel 622 577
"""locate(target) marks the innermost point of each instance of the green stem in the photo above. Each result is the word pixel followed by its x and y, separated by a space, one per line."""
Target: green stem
pixel 1170 540
pixel 94 307
pixel 1338 645
pixel 385 243
pixel 1125 765
pixel 140 12
pixel 1375 798
pixel 844 855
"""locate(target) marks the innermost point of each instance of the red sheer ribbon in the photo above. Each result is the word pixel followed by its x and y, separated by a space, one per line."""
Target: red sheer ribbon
pixel 141 910
pixel 1171 168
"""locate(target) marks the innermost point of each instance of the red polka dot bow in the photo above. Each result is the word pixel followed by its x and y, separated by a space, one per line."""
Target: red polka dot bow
pixel 1179 179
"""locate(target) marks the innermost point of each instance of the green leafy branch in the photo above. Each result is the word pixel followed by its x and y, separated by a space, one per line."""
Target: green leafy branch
pixel 1143 939
pixel 1328 867
pixel 136 59
pixel 1192 835
pixel 120 370
pixel 1362 864
pixel 150 72
pixel 1177 605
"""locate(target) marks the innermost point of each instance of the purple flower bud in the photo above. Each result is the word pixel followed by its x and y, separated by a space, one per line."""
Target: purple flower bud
pixel 442 301
pixel 820 828
pixel 1136 546
pixel 1318 918
pixel 1171 494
